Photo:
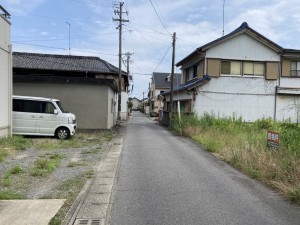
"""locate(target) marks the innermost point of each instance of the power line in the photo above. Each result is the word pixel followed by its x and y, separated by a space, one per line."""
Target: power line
pixel 74 49
pixel 163 57
pixel 143 74
pixel 56 38
pixel 159 18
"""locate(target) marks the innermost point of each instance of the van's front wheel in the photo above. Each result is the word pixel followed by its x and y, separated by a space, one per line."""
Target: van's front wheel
pixel 62 133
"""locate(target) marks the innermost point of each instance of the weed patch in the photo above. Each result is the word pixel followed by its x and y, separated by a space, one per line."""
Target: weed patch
pixel 10 144
pixel 8 195
pixel 46 165
pixel 244 145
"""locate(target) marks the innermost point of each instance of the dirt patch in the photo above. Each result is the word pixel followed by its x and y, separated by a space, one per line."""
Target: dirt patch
pixel 79 158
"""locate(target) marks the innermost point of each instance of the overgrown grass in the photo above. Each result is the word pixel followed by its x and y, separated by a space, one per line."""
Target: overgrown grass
pixel 46 165
pixel 6 179
pixel 8 195
pixel 80 139
pixel 9 144
pixel 244 146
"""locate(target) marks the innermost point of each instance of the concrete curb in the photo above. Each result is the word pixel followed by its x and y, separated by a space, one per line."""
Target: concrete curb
pixel 93 204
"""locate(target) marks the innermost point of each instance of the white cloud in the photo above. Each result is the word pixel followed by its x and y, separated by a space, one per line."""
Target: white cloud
pixel 43 33
pixel 196 22
pixel 21 7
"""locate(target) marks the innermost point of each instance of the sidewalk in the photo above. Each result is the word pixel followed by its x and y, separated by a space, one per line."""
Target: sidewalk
pixel 93 204
pixel 29 212
pixel 90 207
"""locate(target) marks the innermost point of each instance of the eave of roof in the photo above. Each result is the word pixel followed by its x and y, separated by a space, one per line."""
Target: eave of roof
pixel 195 83
pixel 291 53
pixel 244 28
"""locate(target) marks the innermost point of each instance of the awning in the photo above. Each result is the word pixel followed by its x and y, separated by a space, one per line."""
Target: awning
pixel 190 85
pixel 288 91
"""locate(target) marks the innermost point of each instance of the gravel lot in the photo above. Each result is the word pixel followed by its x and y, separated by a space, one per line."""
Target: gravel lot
pixel 76 163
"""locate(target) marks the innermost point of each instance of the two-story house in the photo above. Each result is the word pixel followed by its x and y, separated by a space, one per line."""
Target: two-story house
pixel 5 74
pixel 161 82
pixel 242 74
pixel 136 103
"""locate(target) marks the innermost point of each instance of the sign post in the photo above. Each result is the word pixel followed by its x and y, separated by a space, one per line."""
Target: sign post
pixel 273 140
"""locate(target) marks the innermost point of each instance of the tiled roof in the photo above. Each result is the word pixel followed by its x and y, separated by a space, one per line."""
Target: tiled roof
pixel 24 60
pixel 188 86
pixel 160 80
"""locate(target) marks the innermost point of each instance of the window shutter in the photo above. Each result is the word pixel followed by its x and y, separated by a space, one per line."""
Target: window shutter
pixel 286 68
pixel 213 67
pixel 272 71
pixel 201 69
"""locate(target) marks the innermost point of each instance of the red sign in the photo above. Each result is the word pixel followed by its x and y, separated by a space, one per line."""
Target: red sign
pixel 273 139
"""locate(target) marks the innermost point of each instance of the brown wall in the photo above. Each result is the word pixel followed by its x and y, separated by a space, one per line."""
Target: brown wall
pixel 213 67
pixel 201 69
pixel 90 103
pixel 272 70
pixel 286 68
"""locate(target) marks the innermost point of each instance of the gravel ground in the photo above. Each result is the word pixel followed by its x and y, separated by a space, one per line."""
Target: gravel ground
pixel 75 162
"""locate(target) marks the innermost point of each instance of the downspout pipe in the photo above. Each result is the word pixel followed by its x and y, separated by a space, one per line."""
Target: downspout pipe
pixel 275 105
pixel 276 87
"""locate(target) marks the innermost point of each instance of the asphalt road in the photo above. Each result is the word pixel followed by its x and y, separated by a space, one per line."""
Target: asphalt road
pixel 166 179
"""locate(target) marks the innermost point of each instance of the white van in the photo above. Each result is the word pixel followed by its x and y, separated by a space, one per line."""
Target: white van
pixel 42 117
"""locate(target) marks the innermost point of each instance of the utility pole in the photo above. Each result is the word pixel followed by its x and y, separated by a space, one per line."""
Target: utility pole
pixel 143 103
pixel 128 62
pixel 172 80
pixel 223 16
pixel 69 37
pixel 120 20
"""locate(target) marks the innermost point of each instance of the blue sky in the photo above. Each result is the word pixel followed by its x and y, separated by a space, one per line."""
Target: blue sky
pixel 40 26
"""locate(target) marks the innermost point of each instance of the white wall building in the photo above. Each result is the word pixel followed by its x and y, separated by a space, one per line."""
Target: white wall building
pixel 242 74
pixel 5 74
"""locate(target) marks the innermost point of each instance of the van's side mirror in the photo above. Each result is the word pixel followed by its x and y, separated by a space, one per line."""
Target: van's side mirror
pixel 55 111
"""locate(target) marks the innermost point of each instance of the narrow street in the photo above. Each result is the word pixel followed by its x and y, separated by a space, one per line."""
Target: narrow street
pixel 167 179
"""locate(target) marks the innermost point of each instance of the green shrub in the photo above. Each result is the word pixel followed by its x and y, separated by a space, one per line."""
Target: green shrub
pixel 264 124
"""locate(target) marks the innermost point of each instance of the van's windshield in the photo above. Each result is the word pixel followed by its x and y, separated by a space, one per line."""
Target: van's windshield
pixel 61 107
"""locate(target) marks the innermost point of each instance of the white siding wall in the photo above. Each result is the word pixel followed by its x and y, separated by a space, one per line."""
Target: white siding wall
pixel 111 106
pixel 288 108
pixel 124 106
pixel 5 78
pixel 249 98
pixel 243 47
pixel 291 82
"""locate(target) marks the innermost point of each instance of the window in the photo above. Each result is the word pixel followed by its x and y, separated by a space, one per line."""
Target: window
pixel 24 106
pixel 191 72
pixel 45 107
pixel 33 106
pixel 231 67
pixel 242 68
pixel 235 68
pixel 295 68
pixel 225 67
pixel 254 68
